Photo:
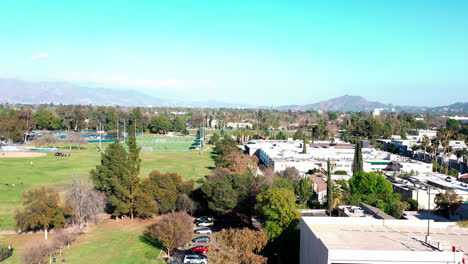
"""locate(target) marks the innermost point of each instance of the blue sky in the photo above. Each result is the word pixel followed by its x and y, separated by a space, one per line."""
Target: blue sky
pixel 255 52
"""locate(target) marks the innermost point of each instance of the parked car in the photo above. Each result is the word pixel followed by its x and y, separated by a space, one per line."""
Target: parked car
pixel 201 239
pixel 203 218
pixel 203 231
pixel 205 223
pixel 199 249
pixel 448 179
pixel 194 259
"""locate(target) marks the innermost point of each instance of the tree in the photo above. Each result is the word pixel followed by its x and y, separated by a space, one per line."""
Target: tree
pixel 42 211
pixel 232 246
pixel 357 162
pixel 397 209
pixel 304 190
pixel 228 193
pixel 425 142
pixel 173 230
pixel 364 183
pixel 45 119
pixel 223 148
pixel 185 204
pixel 134 165
pixel 239 163
pixel 136 121
pixel 214 139
pixel 179 124
pixel 144 205
pixel 113 176
pixel 445 200
pixel 292 174
pixel 165 189
pixel 277 209
pixel 412 203
pixel 35 252
pixel 86 202
pixel 160 124
pixel 330 199
pixel 185 132
pixel 452 124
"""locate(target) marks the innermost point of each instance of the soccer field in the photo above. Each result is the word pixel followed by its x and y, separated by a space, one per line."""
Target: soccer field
pixel 158 143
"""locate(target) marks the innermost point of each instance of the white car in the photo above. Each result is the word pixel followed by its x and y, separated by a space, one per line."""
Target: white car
pixel 205 223
pixel 194 259
pixel 203 231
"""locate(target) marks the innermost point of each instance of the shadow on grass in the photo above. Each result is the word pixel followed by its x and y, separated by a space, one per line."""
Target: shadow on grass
pixel 148 239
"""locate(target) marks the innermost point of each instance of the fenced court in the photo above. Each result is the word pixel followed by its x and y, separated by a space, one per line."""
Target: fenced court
pixel 157 143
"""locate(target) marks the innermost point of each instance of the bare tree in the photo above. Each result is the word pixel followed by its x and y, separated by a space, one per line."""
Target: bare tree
pixel 173 231
pixel 36 250
pixel 64 237
pixel 87 202
pixel 185 204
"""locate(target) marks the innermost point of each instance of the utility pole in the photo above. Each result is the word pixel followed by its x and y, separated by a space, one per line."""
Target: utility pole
pixel 428 236
pixel 100 135
pixel 124 131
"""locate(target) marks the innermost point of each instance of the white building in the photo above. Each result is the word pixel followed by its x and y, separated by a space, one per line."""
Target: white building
pixel 280 155
pixel 236 125
pixel 333 240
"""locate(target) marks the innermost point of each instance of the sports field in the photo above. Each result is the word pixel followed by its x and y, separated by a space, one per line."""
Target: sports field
pixel 156 143
pixel 30 173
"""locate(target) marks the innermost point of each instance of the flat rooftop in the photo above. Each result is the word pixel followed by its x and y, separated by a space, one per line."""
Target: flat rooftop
pixel 401 235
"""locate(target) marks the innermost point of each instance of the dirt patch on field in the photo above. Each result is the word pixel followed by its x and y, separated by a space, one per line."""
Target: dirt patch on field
pixel 4 154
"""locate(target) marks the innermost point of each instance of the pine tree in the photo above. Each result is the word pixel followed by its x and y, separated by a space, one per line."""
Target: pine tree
pixel 329 188
pixel 357 162
pixel 134 165
pixel 113 177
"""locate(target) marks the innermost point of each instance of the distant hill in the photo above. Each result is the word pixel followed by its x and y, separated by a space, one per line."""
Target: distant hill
pixel 17 91
pixel 348 103
pixel 342 103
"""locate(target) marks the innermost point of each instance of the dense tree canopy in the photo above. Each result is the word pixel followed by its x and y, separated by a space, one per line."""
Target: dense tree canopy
pixel 165 189
pixel 228 193
pixel 277 208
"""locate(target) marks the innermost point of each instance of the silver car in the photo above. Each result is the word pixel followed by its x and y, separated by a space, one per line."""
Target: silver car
pixel 194 259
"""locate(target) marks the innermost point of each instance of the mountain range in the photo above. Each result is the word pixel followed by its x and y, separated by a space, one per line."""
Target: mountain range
pixel 15 91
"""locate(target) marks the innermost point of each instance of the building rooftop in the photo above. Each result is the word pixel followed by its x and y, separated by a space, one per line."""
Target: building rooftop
pixel 344 233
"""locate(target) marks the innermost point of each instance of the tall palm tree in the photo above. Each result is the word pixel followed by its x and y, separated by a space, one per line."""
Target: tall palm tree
pixel 425 142
pixel 445 140
pixel 435 147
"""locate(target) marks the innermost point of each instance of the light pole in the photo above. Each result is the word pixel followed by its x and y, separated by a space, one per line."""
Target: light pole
pixel 428 236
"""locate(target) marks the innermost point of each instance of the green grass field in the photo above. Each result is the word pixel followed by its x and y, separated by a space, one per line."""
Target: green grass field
pixel 57 172
pixel 109 243
pixel 159 143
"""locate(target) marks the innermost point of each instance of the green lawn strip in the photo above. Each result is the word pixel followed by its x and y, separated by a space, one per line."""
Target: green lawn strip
pixel 108 245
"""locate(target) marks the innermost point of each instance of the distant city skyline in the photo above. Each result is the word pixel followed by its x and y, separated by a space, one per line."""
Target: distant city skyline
pixel 245 52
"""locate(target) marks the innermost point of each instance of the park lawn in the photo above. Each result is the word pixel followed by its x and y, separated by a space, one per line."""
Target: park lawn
pixel 109 242
pixel 57 172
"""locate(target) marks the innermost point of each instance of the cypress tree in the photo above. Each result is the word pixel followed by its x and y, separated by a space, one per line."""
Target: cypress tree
pixel 329 188
pixel 134 165
pixel 113 177
pixel 357 162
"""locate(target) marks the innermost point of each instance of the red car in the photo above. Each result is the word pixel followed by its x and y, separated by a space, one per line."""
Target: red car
pixel 199 249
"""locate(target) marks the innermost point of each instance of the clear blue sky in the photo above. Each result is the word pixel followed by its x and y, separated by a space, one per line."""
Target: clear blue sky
pixel 256 52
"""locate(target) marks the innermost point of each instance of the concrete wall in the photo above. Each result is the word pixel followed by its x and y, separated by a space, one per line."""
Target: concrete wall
pixel 312 250
pixel 382 256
